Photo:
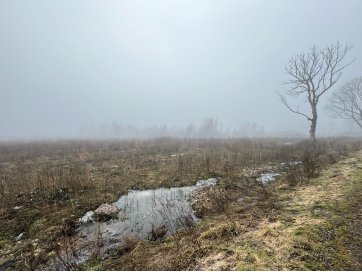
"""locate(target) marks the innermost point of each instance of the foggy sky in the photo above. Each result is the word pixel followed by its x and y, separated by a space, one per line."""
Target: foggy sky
pixel 65 65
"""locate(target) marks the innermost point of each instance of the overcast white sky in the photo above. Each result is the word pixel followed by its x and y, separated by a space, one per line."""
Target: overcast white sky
pixel 68 64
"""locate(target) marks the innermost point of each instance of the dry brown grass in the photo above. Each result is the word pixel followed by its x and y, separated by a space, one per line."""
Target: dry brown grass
pixel 296 238
pixel 54 183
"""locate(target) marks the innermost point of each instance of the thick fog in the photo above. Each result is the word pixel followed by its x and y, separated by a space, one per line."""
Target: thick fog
pixel 113 68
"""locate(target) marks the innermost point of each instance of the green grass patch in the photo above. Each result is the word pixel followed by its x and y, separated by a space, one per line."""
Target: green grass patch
pixel 325 246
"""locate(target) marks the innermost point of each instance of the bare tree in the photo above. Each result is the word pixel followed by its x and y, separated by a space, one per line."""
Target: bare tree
pixel 312 74
pixel 347 102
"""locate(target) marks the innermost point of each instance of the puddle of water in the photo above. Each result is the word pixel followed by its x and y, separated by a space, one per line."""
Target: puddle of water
pixel 268 177
pixel 175 155
pixel 141 211
pixel 291 163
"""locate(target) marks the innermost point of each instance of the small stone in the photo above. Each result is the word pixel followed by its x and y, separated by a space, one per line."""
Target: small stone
pixel 106 211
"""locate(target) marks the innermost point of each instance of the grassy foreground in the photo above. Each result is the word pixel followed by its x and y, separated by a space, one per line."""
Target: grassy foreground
pixel 314 226
pixel 300 224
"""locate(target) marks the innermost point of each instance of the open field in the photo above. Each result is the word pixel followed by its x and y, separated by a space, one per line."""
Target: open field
pixel 47 186
pixel 180 135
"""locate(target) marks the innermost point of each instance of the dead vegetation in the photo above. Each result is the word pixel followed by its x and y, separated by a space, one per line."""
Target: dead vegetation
pixel 46 187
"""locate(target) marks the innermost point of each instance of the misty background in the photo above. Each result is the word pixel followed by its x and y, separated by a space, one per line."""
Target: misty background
pixel 186 68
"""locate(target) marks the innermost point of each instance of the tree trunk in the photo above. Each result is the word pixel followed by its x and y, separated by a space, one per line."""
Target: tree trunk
pixel 313 125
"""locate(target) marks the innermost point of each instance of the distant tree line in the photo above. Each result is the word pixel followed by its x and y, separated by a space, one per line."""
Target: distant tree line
pixel 209 128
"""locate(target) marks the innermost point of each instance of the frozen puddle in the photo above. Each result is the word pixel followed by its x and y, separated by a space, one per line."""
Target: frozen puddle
pixel 291 163
pixel 141 213
pixel 268 177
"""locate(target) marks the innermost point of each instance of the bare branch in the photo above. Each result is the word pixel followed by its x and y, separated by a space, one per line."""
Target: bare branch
pixel 284 101
pixel 347 102
pixel 312 74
